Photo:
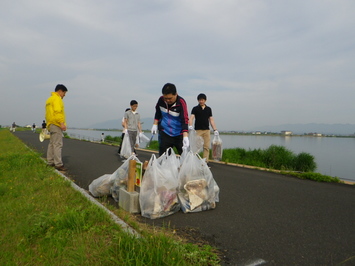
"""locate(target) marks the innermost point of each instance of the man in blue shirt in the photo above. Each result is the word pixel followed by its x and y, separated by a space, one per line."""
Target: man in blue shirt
pixel 171 119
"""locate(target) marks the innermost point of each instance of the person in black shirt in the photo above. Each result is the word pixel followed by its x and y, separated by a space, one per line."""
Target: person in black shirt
pixel 202 114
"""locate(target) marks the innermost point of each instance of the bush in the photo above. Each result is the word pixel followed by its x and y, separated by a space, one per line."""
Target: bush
pixel 109 138
pixel 304 162
pixel 278 157
pixel 275 157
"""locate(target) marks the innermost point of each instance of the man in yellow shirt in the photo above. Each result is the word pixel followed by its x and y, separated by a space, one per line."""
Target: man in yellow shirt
pixel 55 117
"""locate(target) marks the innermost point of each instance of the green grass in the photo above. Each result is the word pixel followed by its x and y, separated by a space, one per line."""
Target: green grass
pixel 116 140
pixel 44 221
pixel 314 176
pixel 275 157
pixel 153 145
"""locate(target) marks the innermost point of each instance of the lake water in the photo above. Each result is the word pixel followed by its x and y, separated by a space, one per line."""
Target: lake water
pixel 334 156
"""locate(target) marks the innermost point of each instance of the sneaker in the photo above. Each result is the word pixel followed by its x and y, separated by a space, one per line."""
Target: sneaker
pixel 61 168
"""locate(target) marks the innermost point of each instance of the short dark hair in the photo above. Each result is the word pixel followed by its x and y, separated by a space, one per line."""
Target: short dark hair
pixel 201 96
pixel 60 87
pixel 169 88
pixel 133 102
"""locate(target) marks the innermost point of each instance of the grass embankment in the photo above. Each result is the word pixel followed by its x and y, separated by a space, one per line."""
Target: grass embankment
pixel 274 157
pixel 300 165
pixel 44 221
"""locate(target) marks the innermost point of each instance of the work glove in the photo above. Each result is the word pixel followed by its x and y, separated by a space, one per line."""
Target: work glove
pixel 185 142
pixel 154 129
pixel 191 127
pixel 216 133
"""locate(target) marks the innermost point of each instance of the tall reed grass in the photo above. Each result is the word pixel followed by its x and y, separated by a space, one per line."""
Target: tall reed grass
pixel 44 221
pixel 274 157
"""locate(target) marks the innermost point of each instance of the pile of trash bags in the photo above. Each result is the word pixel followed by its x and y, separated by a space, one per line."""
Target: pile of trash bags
pixel 169 184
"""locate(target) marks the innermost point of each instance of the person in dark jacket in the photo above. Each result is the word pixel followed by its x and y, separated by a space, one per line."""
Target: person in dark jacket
pixel 171 120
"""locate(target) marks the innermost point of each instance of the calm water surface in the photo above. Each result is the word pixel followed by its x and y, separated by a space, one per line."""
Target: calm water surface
pixel 334 156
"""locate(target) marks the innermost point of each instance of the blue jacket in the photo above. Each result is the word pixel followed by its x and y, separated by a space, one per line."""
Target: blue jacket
pixel 174 119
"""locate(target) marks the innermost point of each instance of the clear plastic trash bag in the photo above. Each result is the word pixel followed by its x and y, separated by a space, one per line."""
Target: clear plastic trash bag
pixel 101 186
pixel 143 138
pixel 120 177
pixel 196 142
pixel 217 150
pixel 197 191
pixel 126 149
pixel 158 193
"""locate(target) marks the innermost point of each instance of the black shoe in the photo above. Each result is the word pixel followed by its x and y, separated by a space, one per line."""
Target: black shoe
pixel 61 168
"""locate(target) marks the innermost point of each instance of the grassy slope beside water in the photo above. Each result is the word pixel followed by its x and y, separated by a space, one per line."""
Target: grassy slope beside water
pixel 300 165
pixel 44 221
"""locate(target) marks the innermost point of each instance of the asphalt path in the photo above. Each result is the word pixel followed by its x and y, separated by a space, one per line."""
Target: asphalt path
pixel 262 218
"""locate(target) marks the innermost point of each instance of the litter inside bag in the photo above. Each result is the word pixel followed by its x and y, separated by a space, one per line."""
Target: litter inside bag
pixel 196 142
pixel 101 186
pixel 126 149
pixel 158 193
pixel 217 150
pixel 120 177
pixel 197 190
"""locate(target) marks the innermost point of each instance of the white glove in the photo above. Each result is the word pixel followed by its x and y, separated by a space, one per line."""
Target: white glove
pixel 191 127
pixel 125 131
pixel 154 129
pixel 216 133
pixel 140 134
pixel 186 142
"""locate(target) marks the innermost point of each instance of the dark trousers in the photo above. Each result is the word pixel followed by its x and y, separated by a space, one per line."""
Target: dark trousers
pixel 119 149
pixel 166 141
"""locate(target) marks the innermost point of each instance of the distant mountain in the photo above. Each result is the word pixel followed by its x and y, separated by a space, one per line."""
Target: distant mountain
pixel 329 129
pixel 116 124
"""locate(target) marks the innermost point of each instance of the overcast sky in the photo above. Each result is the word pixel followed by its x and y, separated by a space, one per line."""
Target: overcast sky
pixel 260 62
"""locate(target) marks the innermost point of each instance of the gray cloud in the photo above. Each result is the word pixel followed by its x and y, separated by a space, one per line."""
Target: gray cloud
pixel 259 62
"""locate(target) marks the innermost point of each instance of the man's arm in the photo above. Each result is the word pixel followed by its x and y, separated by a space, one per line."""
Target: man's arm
pixel 191 120
pixel 212 123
